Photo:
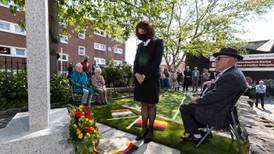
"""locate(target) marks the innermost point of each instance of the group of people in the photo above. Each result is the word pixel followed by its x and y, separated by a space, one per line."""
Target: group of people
pixel 86 79
pixel 210 109
pixel 176 79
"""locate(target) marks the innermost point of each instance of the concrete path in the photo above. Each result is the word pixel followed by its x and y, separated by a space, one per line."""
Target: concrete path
pixel 268 113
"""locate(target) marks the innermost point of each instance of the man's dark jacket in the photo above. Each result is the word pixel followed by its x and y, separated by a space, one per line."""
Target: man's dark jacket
pixel 213 107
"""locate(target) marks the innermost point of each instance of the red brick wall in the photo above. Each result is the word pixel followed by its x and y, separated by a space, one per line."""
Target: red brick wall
pixel 7 16
pixel 10 39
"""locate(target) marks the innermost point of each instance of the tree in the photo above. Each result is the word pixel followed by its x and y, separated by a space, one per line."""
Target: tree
pixel 200 27
pixel 115 17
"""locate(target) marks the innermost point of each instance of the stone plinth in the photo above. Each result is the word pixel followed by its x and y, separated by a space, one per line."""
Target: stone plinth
pixel 258 129
pixel 16 139
pixel 38 63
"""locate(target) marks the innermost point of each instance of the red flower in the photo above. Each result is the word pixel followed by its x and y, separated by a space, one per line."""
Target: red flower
pixel 87 115
pixel 88 129
pixel 87 107
pixel 78 115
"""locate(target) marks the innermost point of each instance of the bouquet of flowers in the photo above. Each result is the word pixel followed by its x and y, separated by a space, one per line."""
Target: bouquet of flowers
pixel 83 133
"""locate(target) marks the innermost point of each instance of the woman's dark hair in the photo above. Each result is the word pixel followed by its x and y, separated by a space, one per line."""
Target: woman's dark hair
pixel 147 27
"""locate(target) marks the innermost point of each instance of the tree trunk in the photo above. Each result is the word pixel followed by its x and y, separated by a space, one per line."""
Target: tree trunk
pixel 53 34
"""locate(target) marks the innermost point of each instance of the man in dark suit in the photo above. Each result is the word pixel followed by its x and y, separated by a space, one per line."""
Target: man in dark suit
pixel 187 79
pixel 213 107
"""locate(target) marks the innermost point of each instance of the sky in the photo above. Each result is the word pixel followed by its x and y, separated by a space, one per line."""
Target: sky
pixel 261 28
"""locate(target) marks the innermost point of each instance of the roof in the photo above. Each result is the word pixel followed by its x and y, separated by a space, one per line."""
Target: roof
pixel 263 46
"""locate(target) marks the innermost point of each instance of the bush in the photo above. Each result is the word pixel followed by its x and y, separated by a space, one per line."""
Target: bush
pixel 117 76
pixel 13 89
pixel 59 88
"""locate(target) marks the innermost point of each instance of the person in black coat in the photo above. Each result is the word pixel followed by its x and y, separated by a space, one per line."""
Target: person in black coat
pixel 187 79
pixel 213 107
pixel 147 75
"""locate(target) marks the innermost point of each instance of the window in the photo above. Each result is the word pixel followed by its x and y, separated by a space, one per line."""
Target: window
pixel 99 46
pixel 4 50
pixel 117 62
pixel 82 35
pixel 4 26
pixel 64 39
pixel 100 33
pixel 63 57
pixel 18 29
pixel 20 52
pixel 100 61
pixel 81 50
pixel 5 4
pixel 11 27
pixel 109 48
pixel 118 50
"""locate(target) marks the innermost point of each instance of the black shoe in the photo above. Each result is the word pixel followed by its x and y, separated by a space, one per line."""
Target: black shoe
pixel 148 137
pixel 204 133
pixel 142 135
pixel 191 138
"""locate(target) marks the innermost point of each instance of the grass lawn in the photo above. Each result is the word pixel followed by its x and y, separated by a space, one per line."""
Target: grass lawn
pixel 167 108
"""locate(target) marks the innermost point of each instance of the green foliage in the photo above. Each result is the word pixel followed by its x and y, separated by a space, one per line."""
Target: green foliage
pixel 116 76
pixel 59 88
pixel 13 88
pixel 202 27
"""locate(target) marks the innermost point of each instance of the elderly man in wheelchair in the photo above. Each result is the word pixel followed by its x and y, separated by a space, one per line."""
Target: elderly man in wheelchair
pixel 213 108
pixel 81 85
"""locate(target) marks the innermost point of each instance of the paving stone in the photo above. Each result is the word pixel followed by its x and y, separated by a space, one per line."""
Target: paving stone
pixel 113 139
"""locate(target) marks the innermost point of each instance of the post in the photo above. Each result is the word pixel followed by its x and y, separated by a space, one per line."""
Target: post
pixel 38 63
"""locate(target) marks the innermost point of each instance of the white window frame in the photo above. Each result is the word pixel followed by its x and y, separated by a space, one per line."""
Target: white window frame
pixel 109 49
pixel 61 57
pixel 100 61
pixel 118 62
pixel 100 33
pixel 13 51
pixel 99 46
pixel 118 50
pixel 20 55
pixel 7 24
pixel 84 50
pixel 82 35
pixel 17 27
pixel 64 39
pixel 12 28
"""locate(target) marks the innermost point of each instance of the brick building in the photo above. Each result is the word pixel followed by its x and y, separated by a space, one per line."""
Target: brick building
pixel 98 46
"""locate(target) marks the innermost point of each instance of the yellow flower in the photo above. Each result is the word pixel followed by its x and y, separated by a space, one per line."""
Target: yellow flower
pixel 80 136
pixel 74 126
pixel 91 122
pixel 78 131
pixel 81 107
pixel 88 134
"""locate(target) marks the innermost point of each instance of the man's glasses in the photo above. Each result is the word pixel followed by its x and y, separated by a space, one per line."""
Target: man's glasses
pixel 220 57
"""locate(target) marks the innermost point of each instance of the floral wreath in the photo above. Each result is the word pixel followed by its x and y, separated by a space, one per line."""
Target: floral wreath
pixel 83 133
